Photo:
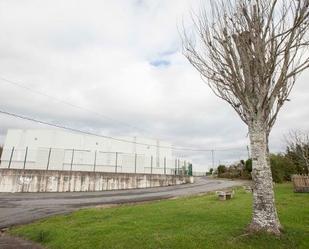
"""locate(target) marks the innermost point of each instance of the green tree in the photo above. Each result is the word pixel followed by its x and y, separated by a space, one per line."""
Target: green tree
pixel 248 165
pixel 190 169
pixel 298 149
pixel 282 168
pixel 221 169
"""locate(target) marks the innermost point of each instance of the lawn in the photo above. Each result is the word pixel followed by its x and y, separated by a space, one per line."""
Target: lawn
pixel 195 222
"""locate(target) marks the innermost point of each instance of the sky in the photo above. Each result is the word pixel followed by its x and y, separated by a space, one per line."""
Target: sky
pixel 121 61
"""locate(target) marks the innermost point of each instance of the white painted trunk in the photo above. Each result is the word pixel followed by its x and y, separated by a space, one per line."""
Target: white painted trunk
pixel 265 216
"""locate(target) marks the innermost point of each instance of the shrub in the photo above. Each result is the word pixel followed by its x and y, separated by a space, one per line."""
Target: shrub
pixel 221 169
pixel 299 163
pixel 281 168
pixel 248 165
pixel 190 173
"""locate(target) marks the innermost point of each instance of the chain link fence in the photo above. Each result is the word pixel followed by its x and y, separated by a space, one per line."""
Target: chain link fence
pixel 86 160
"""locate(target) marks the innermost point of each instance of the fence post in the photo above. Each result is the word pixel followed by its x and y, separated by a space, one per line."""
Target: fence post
pixel 72 159
pixel 116 162
pixel 175 166
pixel 26 153
pixel 135 161
pixel 164 165
pixel 95 160
pixel 151 163
pixel 48 159
pixel 12 152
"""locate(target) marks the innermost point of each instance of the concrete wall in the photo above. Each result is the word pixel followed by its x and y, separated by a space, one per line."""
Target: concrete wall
pixel 19 180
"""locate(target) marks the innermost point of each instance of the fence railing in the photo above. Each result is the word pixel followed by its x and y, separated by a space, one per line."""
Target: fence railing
pixel 300 183
pixel 88 160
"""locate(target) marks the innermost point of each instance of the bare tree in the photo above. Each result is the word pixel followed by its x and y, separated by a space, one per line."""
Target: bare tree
pixel 298 144
pixel 250 52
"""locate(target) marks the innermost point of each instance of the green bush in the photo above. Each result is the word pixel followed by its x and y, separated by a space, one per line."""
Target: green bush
pixel 297 160
pixel 281 168
pixel 190 170
pixel 221 169
pixel 248 165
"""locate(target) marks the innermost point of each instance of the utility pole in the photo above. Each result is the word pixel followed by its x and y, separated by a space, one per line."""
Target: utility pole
pixel 48 159
pixel 95 160
pixel 25 160
pixel 248 152
pixel 213 158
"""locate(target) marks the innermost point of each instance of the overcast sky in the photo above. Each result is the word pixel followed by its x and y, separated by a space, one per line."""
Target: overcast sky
pixel 122 59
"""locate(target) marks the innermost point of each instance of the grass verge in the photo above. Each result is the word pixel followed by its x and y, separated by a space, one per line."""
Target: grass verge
pixel 195 222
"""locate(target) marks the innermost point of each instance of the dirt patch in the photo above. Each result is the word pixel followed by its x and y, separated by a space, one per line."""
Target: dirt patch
pixel 9 242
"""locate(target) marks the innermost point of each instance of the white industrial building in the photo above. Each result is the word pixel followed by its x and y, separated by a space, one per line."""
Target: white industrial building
pixel 63 150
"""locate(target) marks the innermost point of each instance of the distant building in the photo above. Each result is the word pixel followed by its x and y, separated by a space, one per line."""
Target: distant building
pixel 42 138
pixel 85 152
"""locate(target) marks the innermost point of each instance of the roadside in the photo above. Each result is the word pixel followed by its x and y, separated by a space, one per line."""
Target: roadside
pixel 22 208
pixel 9 242
pixel 200 221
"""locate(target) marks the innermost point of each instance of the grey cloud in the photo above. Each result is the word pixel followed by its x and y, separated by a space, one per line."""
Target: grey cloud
pixel 96 54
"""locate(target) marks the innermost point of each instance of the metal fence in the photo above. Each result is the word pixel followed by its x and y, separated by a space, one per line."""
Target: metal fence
pixel 87 160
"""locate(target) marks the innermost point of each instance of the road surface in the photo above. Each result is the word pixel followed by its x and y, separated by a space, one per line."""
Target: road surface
pixel 20 208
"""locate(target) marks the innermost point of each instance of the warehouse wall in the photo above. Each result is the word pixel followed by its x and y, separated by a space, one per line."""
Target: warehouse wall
pixel 44 138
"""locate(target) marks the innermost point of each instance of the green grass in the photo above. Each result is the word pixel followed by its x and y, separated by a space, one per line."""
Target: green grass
pixel 195 222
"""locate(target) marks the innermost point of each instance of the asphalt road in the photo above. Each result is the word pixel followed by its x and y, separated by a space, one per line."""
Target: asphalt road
pixel 20 208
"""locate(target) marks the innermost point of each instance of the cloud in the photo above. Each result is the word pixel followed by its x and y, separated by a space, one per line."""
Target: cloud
pixel 121 62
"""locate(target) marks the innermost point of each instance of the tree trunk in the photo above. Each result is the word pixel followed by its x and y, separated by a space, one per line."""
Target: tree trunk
pixel 265 216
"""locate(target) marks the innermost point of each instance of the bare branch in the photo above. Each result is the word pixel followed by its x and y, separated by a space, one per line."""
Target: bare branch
pixel 250 52
pixel 298 144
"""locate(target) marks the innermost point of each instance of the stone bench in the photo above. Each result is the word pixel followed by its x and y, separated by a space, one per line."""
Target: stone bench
pixel 225 195
pixel 248 188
